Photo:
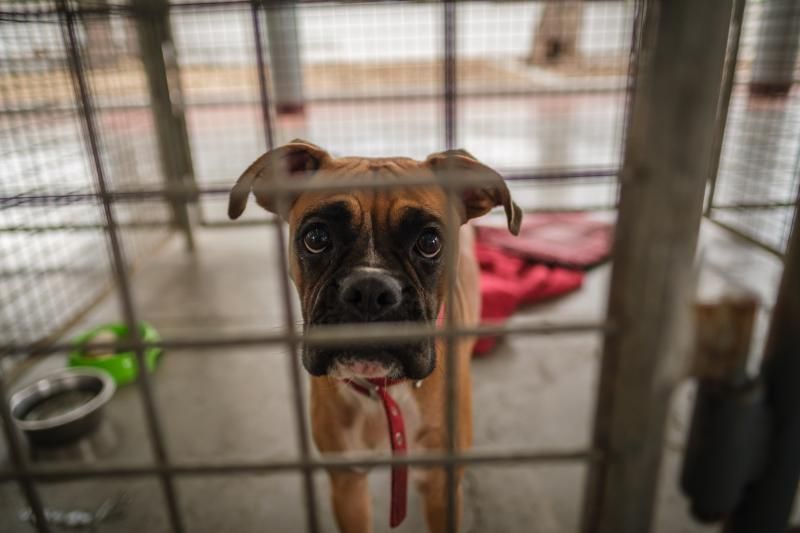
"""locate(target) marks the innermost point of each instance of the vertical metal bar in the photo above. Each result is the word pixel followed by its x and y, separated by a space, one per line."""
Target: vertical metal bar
pixel 767 504
pixel 266 116
pixel 19 462
pixel 728 77
pixel 450 88
pixel 451 262
pixel 120 269
pixel 663 178
pixel 295 372
pixel 157 53
pixel 452 361
pixel 639 10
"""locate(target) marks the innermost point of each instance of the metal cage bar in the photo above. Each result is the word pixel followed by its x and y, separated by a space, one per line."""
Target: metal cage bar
pixel 298 398
pixel 336 335
pixel 451 262
pixel 606 459
pixel 186 193
pixel 663 180
pixel 728 78
pixel 21 470
pixel 152 418
pixel 263 91
pixel 330 462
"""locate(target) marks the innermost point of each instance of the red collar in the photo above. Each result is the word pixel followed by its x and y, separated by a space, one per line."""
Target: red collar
pixel 367 386
pixel 440 319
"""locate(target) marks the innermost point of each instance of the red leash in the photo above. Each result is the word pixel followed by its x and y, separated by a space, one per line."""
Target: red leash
pixel 376 388
pixel 397 439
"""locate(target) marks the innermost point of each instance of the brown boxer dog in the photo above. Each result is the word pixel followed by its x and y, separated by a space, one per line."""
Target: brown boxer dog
pixel 377 255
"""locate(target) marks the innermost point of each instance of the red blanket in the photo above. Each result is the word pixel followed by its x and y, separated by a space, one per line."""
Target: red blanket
pixel 508 282
pixel 572 240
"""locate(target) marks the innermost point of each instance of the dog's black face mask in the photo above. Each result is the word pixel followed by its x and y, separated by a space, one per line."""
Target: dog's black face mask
pixel 365 259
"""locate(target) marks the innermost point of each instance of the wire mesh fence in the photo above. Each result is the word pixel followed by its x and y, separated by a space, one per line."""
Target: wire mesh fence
pixel 759 173
pixel 374 81
pixel 44 154
pixel 372 84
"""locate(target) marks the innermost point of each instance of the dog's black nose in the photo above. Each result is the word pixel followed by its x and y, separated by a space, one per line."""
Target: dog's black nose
pixel 370 295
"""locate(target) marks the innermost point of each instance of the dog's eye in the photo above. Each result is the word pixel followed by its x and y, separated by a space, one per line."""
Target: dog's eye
pixel 429 244
pixel 316 240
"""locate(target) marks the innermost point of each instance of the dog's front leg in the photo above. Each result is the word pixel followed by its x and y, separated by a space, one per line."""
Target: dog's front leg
pixel 433 489
pixel 351 501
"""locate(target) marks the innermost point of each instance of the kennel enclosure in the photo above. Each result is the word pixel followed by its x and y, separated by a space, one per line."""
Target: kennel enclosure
pixel 124 123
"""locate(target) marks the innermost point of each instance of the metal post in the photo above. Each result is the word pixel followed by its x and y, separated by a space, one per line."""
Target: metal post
pixel 450 353
pixel 119 266
pixel 767 505
pixel 284 54
pixel 266 116
pixel 452 362
pixel 157 52
pixel 450 89
pixel 776 48
pixel 668 147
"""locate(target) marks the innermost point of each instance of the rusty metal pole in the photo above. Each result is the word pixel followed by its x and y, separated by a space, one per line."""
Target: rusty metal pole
pixel 668 149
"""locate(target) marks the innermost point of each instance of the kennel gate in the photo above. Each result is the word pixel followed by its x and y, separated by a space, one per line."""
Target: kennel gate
pixel 637 368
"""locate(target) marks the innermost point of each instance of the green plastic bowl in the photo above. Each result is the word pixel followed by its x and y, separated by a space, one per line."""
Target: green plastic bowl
pixel 122 366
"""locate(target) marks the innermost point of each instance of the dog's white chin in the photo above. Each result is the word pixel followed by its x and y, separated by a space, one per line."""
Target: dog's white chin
pixel 360 369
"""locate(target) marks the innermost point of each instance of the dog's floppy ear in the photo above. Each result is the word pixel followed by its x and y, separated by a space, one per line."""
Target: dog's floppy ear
pixel 295 158
pixel 480 199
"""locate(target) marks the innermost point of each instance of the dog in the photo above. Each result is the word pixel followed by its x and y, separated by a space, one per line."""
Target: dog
pixel 372 256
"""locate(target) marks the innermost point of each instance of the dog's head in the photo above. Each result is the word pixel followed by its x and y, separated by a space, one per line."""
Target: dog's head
pixel 370 255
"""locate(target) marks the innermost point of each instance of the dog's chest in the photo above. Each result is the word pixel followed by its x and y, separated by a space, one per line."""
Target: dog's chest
pixel 370 428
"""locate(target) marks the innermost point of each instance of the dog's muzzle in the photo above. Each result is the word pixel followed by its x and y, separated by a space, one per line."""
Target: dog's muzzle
pixel 370 295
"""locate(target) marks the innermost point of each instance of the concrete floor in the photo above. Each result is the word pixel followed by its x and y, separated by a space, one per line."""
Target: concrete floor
pixel 234 404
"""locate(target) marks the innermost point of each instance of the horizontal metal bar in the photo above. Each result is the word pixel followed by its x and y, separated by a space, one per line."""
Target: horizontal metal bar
pixel 350 461
pixel 267 220
pixel 136 105
pixel 129 9
pixel 32 228
pixel 557 175
pixel 96 9
pixel 332 336
pixel 776 204
pixel 477 93
pixel 190 193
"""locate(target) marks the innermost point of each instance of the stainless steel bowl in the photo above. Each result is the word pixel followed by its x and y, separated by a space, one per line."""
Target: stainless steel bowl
pixel 63 406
